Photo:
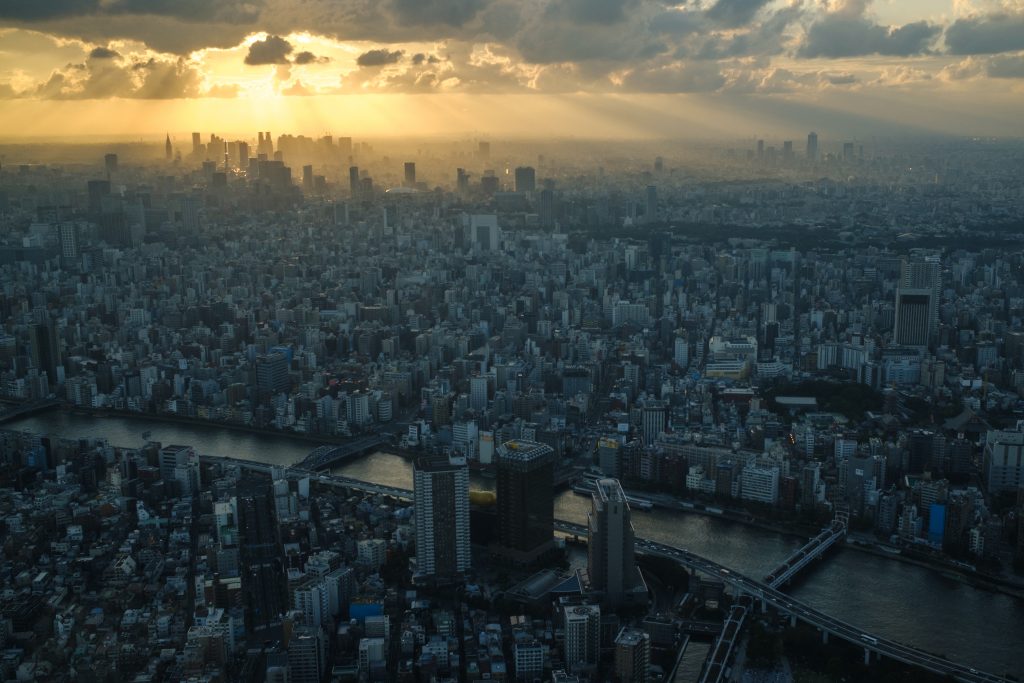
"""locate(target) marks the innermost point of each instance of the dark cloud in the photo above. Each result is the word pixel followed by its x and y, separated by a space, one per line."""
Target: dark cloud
pixel 233 11
pixel 844 36
pixel 103 53
pixel 36 10
pixel 590 11
pixel 986 35
pixel 420 58
pixel 379 57
pixel 1006 66
pixel 271 50
pixel 431 12
pixel 735 13
pixel 306 57
pixel 186 10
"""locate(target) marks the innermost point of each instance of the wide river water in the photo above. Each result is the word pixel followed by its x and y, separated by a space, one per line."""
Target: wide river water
pixel 896 600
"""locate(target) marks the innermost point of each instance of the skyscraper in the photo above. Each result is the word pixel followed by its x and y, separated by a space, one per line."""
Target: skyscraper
pixel 197 143
pixel 651 206
pixel 611 562
pixel 441 494
pixel 526 179
pixel 168 150
pixel 812 146
pixel 410 174
pixel 913 316
pixel 353 182
pixel 525 500
pixel 924 273
pixel 582 637
pixel 46 353
pixel 260 558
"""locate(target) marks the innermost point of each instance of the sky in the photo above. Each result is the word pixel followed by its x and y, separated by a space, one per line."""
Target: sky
pixel 529 68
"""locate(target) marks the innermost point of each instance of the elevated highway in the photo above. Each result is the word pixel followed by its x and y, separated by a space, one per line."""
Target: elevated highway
pixel 743 586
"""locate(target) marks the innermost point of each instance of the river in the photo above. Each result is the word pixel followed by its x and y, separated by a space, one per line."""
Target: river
pixel 896 600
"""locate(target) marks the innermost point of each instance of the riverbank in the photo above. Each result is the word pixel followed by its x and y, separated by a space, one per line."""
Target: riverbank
pixel 987 582
pixel 195 421
pixel 91 422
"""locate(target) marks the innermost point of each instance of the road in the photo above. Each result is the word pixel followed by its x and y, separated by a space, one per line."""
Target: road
pixel 742 585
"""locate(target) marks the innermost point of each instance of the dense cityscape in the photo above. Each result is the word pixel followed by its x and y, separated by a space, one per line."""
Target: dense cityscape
pixel 812 338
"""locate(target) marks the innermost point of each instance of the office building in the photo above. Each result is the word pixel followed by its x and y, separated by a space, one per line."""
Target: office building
pixel 633 655
pixel 372 655
pixel 526 179
pixel 272 373
pixel 410 174
pixel 68 235
pixel 582 624
pixel 525 474
pixel 760 484
pixel 312 599
pixel 528 658
pixel 1003 464
pixel 609 457
pixel 913 315
pixel 307 655
pixel 654 420
pixel 610 543
pixel 478 390
pixel 179 466
pixel 924 273
pixel 45 348
pixel 260 565
pixel 353 182
pixel 484 232
pixel 441 495
pixel 812 146
pixel 651 204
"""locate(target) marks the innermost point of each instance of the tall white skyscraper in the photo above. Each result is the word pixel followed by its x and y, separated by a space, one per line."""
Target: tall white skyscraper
pixel 441 494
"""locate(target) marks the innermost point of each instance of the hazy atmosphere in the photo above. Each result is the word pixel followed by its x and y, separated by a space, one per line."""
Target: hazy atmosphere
pixel 541 67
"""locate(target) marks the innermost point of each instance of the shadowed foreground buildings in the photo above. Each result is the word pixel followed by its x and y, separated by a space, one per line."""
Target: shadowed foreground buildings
pixel 441 491
pixel 612 564
pixel 525 501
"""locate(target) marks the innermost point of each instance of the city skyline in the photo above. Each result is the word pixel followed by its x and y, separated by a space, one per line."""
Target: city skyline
pixel 616 68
